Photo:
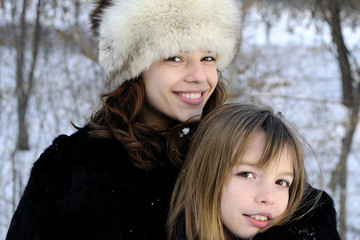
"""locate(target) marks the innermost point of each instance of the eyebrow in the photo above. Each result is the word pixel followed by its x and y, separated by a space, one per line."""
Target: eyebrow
pixel 290 174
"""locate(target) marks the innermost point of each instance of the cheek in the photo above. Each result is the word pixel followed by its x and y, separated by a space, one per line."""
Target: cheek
pixel 154 87
pixel 149 92
pixel 212 75
pixel 235 192
pixel 214 78
pixel 226 208
pixel 283 202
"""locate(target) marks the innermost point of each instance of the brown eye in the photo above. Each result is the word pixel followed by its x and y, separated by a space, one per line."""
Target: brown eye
pixel 283 183
pixel 173 59
pixel 246 174
pixel 209 59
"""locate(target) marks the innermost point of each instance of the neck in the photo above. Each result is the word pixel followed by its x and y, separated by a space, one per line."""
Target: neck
pixel 155 119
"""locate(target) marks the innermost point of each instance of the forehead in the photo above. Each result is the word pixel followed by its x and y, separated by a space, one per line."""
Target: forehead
pixel 255 155
pixel 194 53
pixel 255 149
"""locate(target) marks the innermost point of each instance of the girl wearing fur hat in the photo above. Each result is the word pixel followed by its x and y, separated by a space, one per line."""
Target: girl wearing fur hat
pixel 248 179
pixel 113 178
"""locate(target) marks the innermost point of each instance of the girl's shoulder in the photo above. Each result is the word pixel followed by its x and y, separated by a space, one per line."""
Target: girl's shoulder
pixel 68 151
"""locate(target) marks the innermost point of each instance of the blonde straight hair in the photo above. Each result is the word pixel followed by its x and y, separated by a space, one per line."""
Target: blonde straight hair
pixel 220 140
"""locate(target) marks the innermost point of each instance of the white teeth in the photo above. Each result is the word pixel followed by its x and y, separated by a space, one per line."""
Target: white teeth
pixel 259 217
pixel 190 95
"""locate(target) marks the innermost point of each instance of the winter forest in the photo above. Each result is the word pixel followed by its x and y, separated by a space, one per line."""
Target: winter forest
pixel 300 57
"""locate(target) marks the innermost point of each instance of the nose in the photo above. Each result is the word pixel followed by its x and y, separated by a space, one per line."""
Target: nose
pixel 195 73
pixel 265 195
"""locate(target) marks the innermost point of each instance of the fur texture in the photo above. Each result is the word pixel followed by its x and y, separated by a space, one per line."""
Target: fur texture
pixel 84 188
pixel 133 34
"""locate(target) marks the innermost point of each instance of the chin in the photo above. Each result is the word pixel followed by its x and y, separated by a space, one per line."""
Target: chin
pixel 245 236
pixel 192 118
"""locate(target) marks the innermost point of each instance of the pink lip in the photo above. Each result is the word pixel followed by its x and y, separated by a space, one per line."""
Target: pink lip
pixel 189 100
pixel 258 223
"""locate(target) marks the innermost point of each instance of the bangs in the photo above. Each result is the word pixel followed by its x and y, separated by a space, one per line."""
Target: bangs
pixel 279 140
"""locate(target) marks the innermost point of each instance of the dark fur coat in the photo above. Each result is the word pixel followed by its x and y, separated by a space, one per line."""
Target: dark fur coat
pixel 317 224
pixel 86 188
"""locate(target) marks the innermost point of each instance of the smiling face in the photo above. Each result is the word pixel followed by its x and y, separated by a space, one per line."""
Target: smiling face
pixel 253 196
pixel 179 87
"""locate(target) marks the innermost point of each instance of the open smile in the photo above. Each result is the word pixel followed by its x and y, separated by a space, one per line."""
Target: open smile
pixel 259 217
pixel 191 98
pixel 190 95
pixel 258 220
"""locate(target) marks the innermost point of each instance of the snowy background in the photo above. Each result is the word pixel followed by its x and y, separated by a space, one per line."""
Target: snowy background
pixel 294 72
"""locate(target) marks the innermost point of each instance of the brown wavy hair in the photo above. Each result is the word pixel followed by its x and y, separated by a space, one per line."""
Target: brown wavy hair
pixel 121 117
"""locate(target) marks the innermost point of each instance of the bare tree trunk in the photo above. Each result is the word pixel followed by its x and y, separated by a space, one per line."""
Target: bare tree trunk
pixel 21 87
pixel 24 87
pixel 339 175
pixel 351 101
pixel 35 47
pixel 77 12
pixel 233 70
pixel 342 51
pixel 14 179
pixel 22 142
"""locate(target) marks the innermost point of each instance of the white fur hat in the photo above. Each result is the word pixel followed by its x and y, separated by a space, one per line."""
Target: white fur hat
pixel 133 34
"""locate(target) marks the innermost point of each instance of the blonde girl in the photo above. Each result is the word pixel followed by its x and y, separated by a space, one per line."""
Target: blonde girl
pixel 244 173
